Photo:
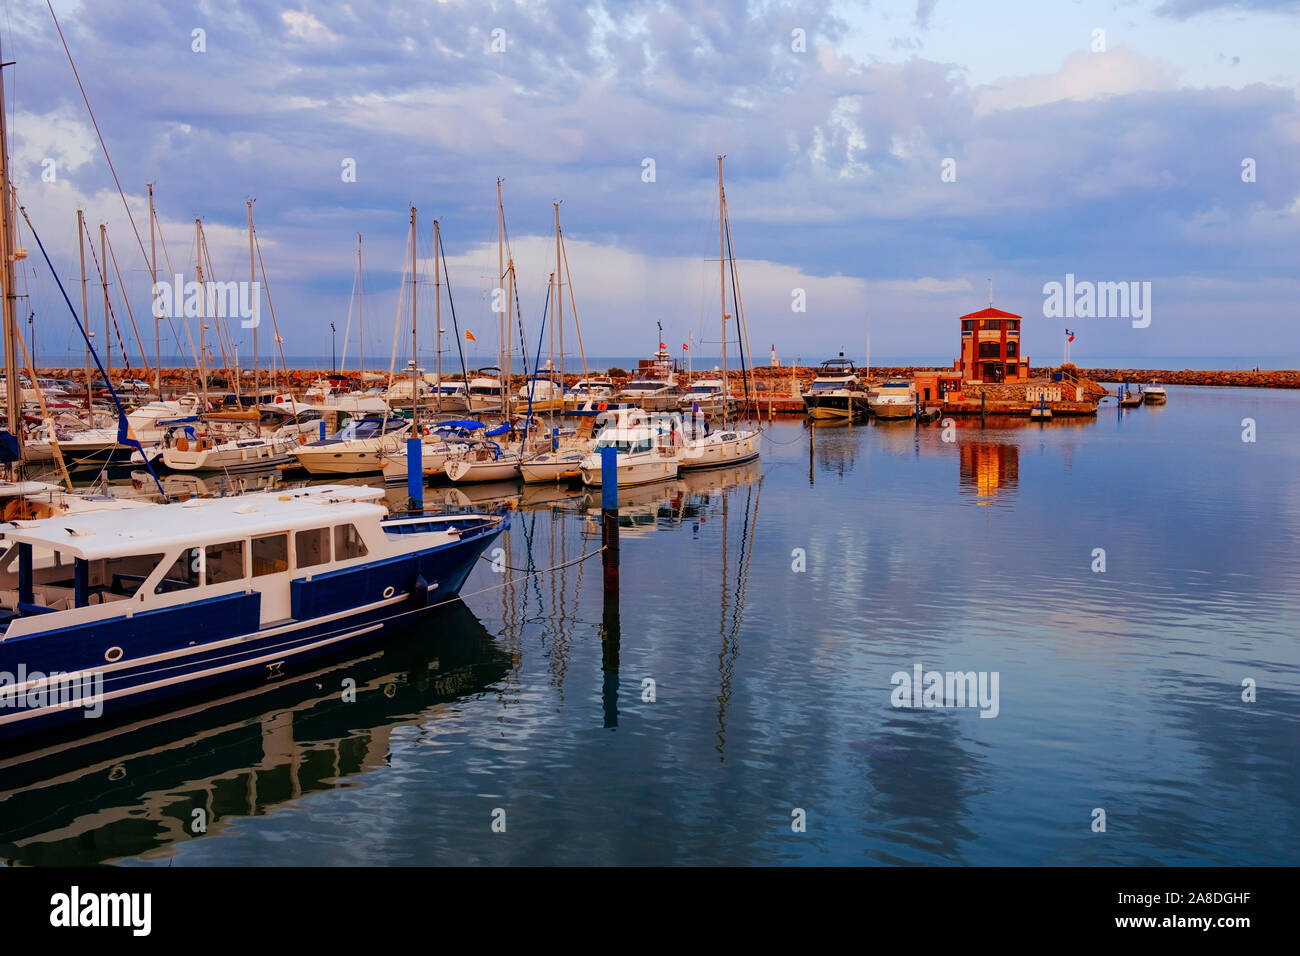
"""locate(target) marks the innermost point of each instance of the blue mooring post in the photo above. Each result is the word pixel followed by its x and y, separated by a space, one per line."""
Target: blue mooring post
pixel 610 628
pixel 609 519
pixel 415 473
pixel 322 429
pixel 555 442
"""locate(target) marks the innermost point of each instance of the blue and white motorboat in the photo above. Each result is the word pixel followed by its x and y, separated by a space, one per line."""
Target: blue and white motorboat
pixel 106 611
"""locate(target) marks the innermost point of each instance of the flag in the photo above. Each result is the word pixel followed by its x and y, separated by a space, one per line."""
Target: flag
pixel 685 347
pixel 662 346
pixel 469 336
pixel 1069 336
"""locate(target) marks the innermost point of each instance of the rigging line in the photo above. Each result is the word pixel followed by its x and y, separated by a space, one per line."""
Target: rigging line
pixel 123 428
pixel 45 415
pixel 103 277
pixel 266 287
pixel 735 297
pixel 566 564
pixel 94 122
pixel 442 254
pixel 162 240
pixel 122 288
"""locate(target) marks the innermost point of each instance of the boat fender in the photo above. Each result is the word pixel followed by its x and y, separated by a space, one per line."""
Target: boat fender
pixel 420 591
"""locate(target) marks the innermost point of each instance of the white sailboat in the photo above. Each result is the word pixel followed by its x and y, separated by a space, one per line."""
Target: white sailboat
pixel 729 444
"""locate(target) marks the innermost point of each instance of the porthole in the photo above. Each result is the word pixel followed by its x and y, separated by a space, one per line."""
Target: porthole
pixel 113 654
pixel 389 591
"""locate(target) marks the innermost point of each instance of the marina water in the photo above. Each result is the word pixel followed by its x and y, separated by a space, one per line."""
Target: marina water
pixel 741 707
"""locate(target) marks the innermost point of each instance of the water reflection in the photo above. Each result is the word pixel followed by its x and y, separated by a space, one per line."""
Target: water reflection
pixel 132 791
pixel 989 468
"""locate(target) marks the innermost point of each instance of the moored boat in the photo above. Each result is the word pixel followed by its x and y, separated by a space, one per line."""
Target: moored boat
pixel 122 608
pixel 836 392
pixel 894 398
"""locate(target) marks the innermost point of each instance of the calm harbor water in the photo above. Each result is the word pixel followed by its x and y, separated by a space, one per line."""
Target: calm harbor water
pixel 771 605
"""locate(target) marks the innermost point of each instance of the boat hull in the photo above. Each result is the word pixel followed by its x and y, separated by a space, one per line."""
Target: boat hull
pixel 893 411
pixel 557 467
pixel 250 457
pixel 191 647
pixel 825 407
pixel 633 473
pixel 462 470
pixel 719 454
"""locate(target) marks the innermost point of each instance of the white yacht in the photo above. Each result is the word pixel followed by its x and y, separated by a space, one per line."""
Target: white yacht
pixel 836 392
pixel 644 453
pixel 893 398
pixel 654 384
pixel 444 441
pixel 1155 394
pixel 709 396
pixel 360 447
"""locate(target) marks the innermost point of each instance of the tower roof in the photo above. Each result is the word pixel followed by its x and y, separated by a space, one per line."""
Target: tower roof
pixel 991 313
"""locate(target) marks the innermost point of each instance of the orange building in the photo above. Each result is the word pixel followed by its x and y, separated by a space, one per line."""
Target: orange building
pixel 990 348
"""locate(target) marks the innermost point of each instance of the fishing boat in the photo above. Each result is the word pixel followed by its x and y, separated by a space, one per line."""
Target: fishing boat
pixel 654 384
pixel 1154 394
pixel 121 608
pixel 360 447
pixel 894 398
pixel 836 392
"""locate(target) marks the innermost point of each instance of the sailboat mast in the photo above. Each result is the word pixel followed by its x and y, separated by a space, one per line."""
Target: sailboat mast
pixel 559 303
pixel 85 308
pixel 415 342
pixel 103 278
pixel 203 328
pixel 157 315
pixel 500 290
pixel 361 319
pixel 252 284
pixel 13 394
pixel 437 315
pixel 722 289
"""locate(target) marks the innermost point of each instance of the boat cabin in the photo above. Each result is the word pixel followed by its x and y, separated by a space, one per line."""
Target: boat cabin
pixel 100 565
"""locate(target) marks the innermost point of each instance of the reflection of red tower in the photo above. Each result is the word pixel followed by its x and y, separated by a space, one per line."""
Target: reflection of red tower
pixel 990 347
pixel 989 467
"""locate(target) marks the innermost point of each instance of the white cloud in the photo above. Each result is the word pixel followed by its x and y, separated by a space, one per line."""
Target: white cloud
pixel 1083 76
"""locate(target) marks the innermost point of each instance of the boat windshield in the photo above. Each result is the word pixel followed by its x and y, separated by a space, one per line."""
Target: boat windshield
pixel 370 428
pixel 827 386
pixel 625 447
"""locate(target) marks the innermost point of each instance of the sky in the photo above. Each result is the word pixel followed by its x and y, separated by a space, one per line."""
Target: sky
pixel 884 162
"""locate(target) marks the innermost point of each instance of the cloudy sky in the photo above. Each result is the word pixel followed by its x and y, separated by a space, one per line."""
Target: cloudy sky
pixel 1108 140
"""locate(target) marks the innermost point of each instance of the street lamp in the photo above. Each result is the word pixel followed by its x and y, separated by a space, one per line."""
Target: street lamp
pixel 333 336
